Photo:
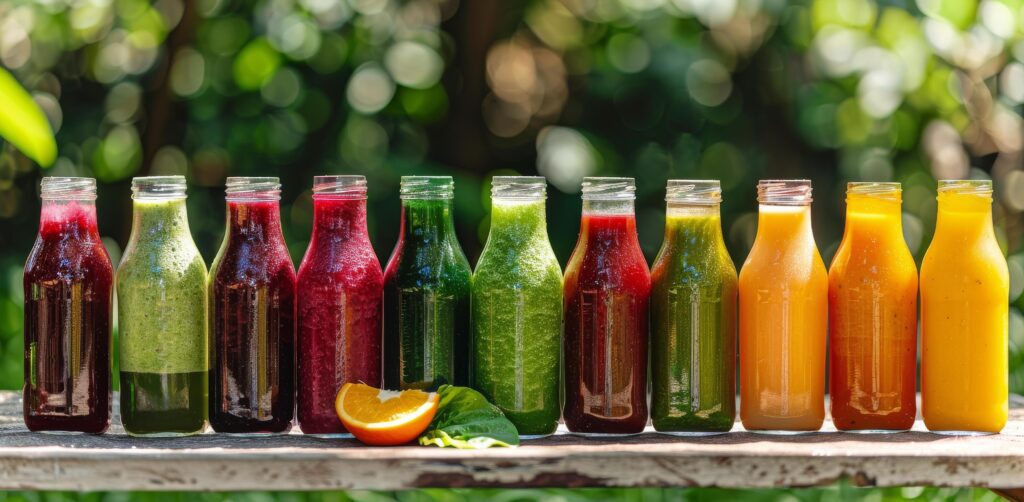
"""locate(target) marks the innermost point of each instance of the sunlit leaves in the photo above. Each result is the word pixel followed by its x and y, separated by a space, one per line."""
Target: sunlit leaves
pixel 118 156
pixel 256 64
pixel 959 13
pixel 23 123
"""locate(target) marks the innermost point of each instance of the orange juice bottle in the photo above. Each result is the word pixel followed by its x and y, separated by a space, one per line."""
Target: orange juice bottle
pixel 872 303
pixel 783 297
pixel 965 290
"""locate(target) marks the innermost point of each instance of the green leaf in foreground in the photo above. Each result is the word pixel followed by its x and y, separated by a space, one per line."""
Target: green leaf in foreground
pixel 23 123
pixel 466 420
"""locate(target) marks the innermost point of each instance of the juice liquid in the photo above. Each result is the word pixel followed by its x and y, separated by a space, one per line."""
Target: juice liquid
pixel 783 298
pixel 68 285
pixel 340 290
pixel 252 314
pixel 607 285
pixel 693 322
pixel 161 292
pixel 517 310
pixel 873 315
pixel 426 292
pixel 964 315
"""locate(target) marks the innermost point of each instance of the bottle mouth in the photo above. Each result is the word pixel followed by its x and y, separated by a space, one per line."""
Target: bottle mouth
pixel 888 190
pixel 966 187
pixel 703 192
pixel 159 187
pixel 519 188
pixel 253 188
pixel 426 187
pixel 784 192
pixel 67 188
pixel 349 186
pixel 605 188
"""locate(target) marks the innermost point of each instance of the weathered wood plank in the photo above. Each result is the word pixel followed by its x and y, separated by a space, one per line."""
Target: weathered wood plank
pixel 295 462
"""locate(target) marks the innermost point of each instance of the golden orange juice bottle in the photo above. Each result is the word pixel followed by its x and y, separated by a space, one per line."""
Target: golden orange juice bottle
pixel 872 304
pixel 783 297
pixel 965 290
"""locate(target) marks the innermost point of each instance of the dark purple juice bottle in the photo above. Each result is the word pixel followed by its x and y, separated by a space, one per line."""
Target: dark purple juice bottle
pixel 67 281
pixel 252 315
pixel 339 299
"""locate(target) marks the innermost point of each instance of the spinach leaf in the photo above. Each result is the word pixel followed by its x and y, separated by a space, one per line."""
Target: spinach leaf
pixel 466 420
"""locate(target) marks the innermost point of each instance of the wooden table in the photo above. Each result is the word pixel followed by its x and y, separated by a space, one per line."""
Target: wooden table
pixel 295 462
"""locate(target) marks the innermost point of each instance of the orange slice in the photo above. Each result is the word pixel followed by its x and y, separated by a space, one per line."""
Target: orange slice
pixel 385 417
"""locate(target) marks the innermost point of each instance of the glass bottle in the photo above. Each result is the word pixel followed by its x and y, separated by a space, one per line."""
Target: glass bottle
pixel 965 291
pixel 68 286
pixel 517 308
pixel 338 303
pixel 252 315
pixel 607 284
pixel 873 315
pixel 693 316
pixel 783 299
pixel 426 291
pixel 161 299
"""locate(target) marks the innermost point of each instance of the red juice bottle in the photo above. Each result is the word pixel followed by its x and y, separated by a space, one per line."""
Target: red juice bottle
pixel 338 303
pixel 68 286
pixel 252 315
pixel 607 284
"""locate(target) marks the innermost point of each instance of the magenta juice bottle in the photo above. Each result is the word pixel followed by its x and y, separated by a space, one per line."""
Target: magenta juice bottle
pixel 252 315
pixel 338 303
pixel 68 278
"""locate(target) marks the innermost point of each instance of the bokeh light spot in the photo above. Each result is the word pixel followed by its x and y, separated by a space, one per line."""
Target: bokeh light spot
pixel 370 89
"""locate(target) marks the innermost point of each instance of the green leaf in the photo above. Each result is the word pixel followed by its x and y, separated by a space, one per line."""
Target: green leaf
pixel 466 420
pixel 23 123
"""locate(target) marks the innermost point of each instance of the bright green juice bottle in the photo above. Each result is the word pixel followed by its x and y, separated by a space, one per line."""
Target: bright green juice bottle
pixel 517 309
pixel 161 293
pixel 426 292
pixel 693 316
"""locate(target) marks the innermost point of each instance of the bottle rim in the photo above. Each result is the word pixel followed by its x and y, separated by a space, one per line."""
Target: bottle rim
pixel 965 187
pixel 697 192
pixel 67 188
pixel 159 187
pixel 426 187
pixel 880 190
pixel 609 188
pixel 778 192
pixel 240 188
pixel 524 188
pixel 342 186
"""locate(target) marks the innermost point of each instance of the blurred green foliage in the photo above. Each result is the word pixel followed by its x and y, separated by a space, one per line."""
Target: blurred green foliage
pixel 831 90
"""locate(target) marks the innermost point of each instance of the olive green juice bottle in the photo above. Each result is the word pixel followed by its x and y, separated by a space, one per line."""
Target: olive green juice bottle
pixel 517 309
pixel 693 316
pixel 161 293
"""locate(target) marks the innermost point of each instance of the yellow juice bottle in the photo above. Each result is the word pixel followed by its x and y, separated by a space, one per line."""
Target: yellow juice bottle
pixel 783 298
pixel 965 290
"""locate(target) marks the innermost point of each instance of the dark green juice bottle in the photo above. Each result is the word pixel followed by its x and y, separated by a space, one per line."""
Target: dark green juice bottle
pixel 426 291
pixel 693 316
pixel 517 309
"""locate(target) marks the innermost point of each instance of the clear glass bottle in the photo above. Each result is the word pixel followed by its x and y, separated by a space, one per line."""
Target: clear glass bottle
pixel 607 284
pixel 517 308
pixel 783 315
pixel 68 287
pixel 426 291
pixel 161 293
pixel 252 315
pixel 693 316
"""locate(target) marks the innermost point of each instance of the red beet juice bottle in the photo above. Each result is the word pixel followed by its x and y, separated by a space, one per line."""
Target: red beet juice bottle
pixel 68 278
pixel 252 315
pixel 338 303
pixel 607 285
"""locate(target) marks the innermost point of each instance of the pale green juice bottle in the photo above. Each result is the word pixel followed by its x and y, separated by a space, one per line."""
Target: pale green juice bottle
pixel 517 309
pixel 161 292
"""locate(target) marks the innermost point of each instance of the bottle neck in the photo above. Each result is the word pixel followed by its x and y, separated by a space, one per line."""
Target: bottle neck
pixel 967 215
pixel 427 220
pixel 602 207
pixel 784 223
pixel 342 218
pixel 64 218
pixel 519 219
pixel 159 218
pixel 254 219
pixel 877 217
pixel 696 218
